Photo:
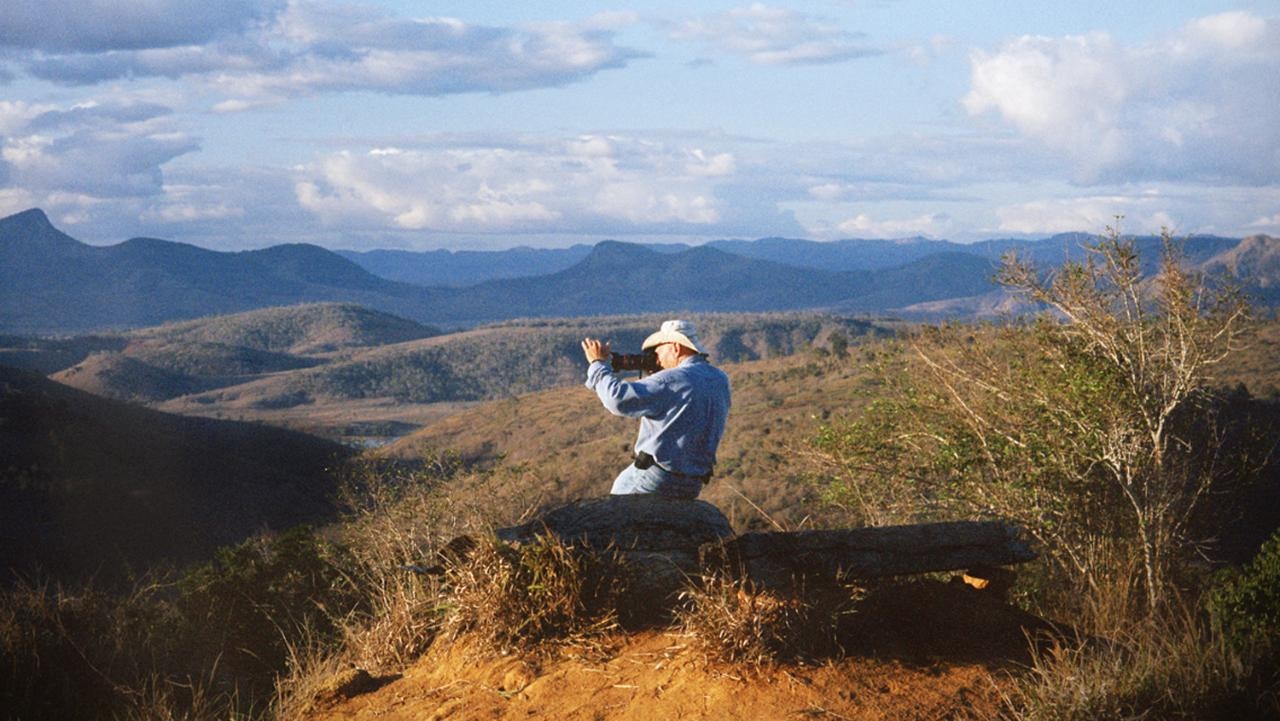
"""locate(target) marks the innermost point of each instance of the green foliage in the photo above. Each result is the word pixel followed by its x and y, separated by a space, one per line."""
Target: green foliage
pixel 255 598
pixel 1245 603
pixel 1091 426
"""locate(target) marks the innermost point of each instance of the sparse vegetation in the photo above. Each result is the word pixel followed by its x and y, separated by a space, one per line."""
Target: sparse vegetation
pixel 1099 429
pixel 732 622
pixel 1096 429
pixel 270 627
pixel 523 597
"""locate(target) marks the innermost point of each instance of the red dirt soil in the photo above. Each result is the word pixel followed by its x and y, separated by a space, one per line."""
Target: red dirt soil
pixel 913 650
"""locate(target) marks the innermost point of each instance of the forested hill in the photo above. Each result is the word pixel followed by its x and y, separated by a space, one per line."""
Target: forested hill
pixel 92 486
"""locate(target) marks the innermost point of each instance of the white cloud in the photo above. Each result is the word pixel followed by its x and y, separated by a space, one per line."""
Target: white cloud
pixel 569 185
pixel 15 200
pixel 774 36
pixel 832 191
pixel 1142 213
pixel 1199 104
pixel 862 225
pixel 92 26
pixel 312 46
pixel 1268 224
pixel 108 149
pixel 710 165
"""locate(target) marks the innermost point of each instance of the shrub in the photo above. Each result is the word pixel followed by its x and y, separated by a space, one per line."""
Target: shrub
pixel 1245 603
pixel 254 599
pixel 520 597
pixel 1170 668
pixel 1097 422
pixel 731 621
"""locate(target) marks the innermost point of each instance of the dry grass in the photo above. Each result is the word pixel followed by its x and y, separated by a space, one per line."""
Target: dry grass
pixel 733 622
pixel 399 520
pixel 1157 669
pixel 525 598
pixel 1124 663
pixel 84 653
pixel 161 699
pixel 311 681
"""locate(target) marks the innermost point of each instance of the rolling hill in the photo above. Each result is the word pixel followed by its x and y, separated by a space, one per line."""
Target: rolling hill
pixel 563 438
pixel 176 359
pixel 405 385
pixel 350 373
pixel 91 486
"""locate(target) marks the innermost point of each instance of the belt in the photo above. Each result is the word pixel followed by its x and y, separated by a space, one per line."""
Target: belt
pixel 645 460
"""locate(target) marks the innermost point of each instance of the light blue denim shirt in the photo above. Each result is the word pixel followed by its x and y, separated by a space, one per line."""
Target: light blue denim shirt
pixel 682 411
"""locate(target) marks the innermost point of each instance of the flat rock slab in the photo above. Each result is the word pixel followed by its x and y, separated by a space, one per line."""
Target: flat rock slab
pixel 630 523
pixel 783 560
pixel 658 538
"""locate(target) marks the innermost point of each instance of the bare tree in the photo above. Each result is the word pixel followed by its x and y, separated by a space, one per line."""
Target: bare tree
pixel 1087 426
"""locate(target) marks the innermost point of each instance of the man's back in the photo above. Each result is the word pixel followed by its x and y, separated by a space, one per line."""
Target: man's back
pixel 682 410
pixel 684 436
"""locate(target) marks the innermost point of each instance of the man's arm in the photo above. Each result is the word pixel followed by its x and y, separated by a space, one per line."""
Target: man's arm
pixel 619 397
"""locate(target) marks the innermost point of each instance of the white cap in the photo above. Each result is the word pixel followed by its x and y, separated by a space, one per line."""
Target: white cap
pixel 674 331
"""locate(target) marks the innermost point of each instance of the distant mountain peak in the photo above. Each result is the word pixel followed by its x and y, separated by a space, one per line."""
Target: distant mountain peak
pixel 31 229
pixel 612 251
pixel 32 217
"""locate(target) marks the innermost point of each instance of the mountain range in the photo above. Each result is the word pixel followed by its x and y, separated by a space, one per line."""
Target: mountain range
pixel 51 283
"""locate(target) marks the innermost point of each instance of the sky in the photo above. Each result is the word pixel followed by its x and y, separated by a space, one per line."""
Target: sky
pixel 488 124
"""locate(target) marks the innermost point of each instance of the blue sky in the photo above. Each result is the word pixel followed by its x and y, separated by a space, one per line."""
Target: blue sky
pixel 487 124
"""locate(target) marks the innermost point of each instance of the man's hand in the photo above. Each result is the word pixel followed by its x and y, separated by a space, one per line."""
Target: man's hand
pixel 595 350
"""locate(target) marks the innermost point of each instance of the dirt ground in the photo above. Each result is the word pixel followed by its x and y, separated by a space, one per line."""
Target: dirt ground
pixel 923 650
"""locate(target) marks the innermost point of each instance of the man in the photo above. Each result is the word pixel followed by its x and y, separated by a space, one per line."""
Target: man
pixel 682 410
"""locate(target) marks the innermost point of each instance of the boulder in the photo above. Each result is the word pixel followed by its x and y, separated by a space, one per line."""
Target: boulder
pixel 657 538
pixel 797 558
pixel 632 522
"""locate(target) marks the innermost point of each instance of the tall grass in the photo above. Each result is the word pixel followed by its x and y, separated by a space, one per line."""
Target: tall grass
pixel 81 652
pixel 731 621
pixel 1121 661
pixel 509 597
pixel 1170 668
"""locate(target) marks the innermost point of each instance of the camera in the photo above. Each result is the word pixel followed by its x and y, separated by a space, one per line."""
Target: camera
pixel 645 362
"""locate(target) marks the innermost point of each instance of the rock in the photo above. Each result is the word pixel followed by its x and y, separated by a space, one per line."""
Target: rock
pixel 782 560
pixel 636 522
pixel 656 537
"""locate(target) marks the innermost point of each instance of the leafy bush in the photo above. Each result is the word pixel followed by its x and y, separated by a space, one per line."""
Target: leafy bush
pixel 1095 423
pixel 255 598
pixel 1245 603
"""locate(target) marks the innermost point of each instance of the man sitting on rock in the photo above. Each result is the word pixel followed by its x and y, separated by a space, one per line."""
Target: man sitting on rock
pixel 682 410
